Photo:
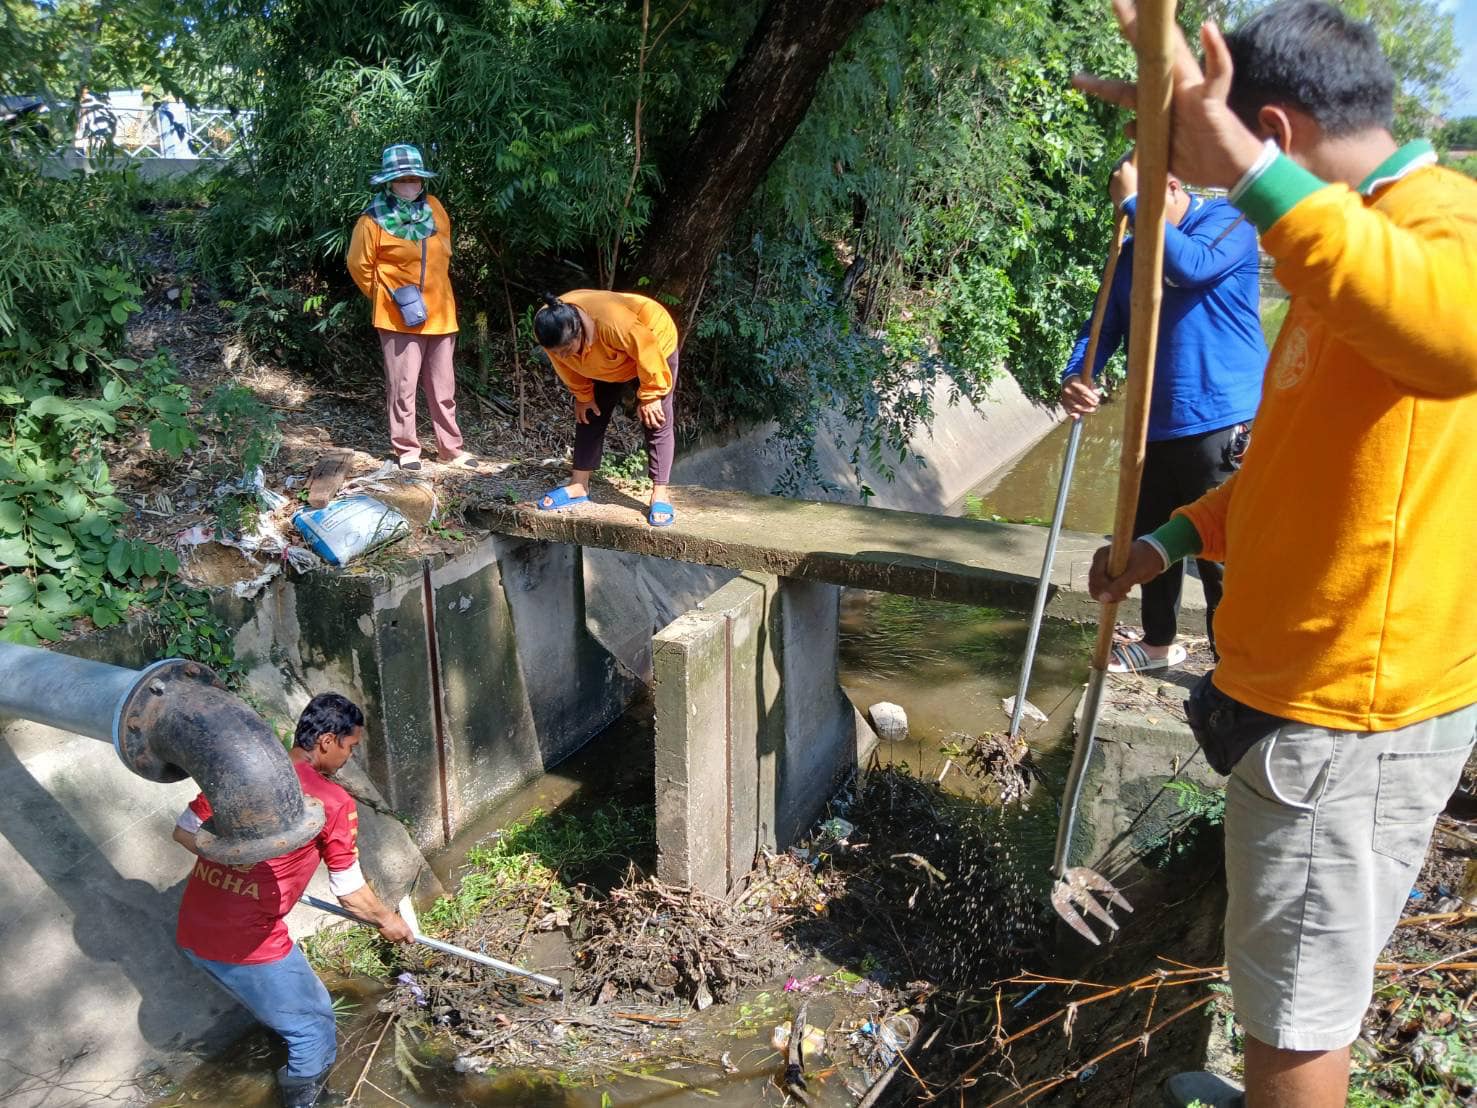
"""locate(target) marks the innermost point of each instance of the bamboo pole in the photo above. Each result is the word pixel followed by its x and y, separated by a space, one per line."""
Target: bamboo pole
pixel 1155 67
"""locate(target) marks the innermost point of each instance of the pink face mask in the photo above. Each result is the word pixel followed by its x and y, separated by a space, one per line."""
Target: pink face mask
pixel 407 190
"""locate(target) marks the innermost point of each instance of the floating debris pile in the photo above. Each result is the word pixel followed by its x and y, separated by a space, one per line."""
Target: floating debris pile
pixel 899 907
pixel 653 942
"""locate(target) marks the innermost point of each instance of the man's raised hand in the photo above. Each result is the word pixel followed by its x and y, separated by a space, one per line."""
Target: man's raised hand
pixel 1208 144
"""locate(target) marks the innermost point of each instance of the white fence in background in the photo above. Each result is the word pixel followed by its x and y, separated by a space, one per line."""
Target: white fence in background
pixel 123 123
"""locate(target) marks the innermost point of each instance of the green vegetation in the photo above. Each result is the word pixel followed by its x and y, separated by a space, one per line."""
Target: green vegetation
pixel 631 465
pixel 192 630
pixel 75 397
pixel 1274 315
pixel 1418 37
pixel 542 855
pixel 1203 808
pixel 349 951
pixel 976 507
pixel 68 396
pixel 543 852
pixel 1421 1055
pixel 937 219
pixel 1432 1063
pixel 239 418
pixel 1467 164
pixel 1458 134
pixel 938 216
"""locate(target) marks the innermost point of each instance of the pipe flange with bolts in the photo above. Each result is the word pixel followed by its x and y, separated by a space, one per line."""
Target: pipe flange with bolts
pixel 172 720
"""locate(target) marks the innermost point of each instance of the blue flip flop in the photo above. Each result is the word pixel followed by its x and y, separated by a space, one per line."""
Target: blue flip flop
pixel 559 498
pixel 661 506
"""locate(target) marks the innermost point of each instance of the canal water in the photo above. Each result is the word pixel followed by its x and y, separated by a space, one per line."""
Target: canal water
pixel 947 666
pixel 1026 488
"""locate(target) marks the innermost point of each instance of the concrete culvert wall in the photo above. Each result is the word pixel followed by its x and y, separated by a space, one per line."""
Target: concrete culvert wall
pixel 753 731
pixel 477 672
pixel 97 1002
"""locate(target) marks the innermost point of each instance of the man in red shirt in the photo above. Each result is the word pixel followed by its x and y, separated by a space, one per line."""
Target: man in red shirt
pixel 231 918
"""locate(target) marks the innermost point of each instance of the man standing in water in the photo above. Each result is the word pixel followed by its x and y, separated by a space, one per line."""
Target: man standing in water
pixel 1345 702
pixel 231 918
pixel 1207 381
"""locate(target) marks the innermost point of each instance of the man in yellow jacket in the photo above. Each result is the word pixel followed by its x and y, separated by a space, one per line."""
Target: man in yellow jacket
pixel 1345 702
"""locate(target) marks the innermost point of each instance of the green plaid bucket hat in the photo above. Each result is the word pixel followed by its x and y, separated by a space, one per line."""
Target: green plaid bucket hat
pixel 401 160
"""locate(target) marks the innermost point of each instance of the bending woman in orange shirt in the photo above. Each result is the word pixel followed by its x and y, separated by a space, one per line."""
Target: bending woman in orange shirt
pixel 402 243
pixel 599 341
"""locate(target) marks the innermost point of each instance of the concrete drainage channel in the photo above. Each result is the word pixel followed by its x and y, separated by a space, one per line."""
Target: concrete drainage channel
pixel 477 671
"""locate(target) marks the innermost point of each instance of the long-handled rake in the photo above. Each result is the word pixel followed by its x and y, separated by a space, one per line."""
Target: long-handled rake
pixel 1069 462
pixel 407 913
pixel 1077 887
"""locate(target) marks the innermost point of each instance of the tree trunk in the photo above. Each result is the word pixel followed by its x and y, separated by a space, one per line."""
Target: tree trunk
pixel 762 103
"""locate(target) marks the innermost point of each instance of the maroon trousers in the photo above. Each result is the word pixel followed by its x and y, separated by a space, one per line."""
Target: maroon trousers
pixel 661 442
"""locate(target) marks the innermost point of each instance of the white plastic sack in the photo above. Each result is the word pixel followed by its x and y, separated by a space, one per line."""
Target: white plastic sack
pixel 349 527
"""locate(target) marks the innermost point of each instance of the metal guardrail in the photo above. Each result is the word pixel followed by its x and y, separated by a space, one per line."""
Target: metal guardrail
pixel 165 130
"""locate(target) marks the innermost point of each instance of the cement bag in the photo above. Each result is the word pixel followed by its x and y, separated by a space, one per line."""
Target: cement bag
pixel 349 527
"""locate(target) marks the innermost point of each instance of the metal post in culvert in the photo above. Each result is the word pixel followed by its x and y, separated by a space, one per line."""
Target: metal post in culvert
pixel 172 720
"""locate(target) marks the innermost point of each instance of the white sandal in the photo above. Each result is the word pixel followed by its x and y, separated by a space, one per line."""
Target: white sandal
pixel 1131 657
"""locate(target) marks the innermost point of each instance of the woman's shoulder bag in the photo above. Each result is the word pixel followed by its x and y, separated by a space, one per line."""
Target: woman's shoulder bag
pixel 410 300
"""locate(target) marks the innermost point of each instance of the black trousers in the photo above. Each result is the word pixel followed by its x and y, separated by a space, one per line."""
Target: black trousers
pixel 1176 472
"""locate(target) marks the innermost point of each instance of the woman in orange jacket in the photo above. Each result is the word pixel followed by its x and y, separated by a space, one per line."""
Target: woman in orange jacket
pixel 599 341
pixel 400 258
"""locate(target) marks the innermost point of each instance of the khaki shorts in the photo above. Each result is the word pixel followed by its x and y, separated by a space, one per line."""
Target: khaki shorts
pixel 1326 832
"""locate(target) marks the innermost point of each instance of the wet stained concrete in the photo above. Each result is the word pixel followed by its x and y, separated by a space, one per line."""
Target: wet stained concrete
pixel 948 665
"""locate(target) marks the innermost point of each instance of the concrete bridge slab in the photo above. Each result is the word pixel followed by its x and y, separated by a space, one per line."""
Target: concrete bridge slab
pixel 935 557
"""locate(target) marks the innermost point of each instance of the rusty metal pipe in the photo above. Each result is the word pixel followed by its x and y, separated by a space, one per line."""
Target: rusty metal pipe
pixel 172 720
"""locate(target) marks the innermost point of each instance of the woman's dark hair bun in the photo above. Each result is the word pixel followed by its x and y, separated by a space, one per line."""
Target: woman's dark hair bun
pixel 556 323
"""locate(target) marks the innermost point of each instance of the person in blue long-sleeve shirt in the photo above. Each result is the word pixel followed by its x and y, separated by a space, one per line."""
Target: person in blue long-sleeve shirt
pixel 1207 383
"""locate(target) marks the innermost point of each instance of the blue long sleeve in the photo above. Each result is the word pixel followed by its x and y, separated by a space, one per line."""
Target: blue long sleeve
pixel 1211 354
pixel 1201 256
pixel 1114 332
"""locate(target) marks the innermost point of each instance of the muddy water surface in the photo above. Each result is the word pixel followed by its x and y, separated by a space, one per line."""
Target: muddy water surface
pixel 1026 488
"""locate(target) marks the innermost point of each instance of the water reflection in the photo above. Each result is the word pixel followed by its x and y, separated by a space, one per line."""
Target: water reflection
pixel 949 666
pixel 1026 489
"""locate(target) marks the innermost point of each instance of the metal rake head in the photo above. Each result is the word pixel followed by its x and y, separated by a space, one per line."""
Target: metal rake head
pixel 1075 889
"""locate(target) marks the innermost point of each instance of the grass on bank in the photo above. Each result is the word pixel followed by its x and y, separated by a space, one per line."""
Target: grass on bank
pixel 543 855
pixel 1274 314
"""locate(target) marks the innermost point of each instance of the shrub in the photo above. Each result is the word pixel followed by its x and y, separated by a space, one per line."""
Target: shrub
pixel 65 394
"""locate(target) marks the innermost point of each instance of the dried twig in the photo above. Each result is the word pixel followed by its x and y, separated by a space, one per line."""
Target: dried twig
pixel 664 1021
pixel 668 1081
pixel 382 1093
pixel 1157 980
pixel 1461 916
pixel 1407 969
pixel 1045 1085
pixel 364 1073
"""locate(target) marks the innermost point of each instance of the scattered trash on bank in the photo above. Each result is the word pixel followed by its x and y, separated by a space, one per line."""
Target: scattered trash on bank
pixel 812 1040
